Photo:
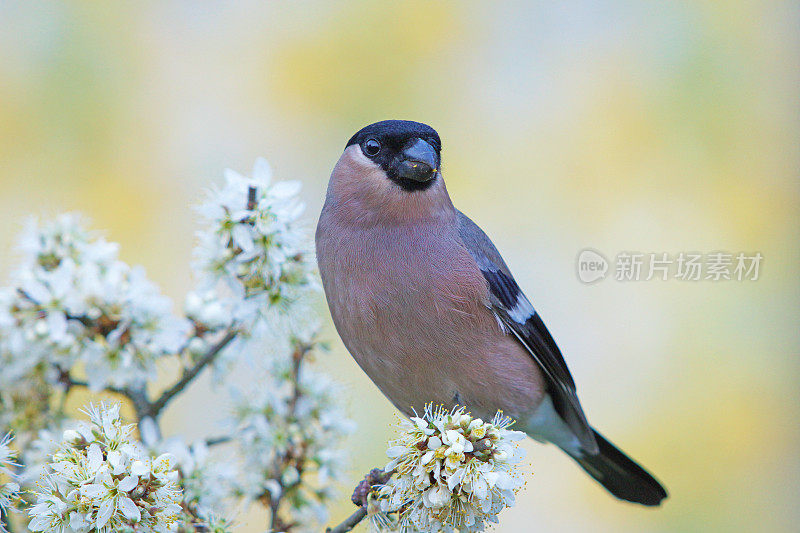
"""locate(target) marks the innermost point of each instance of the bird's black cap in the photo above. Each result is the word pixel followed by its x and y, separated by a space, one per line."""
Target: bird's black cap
pixel 399 131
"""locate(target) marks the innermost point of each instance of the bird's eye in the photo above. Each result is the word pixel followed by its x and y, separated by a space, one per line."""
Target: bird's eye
pixel 371 147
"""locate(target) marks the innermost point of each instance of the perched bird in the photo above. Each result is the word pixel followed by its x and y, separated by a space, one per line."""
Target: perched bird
pixel 428 308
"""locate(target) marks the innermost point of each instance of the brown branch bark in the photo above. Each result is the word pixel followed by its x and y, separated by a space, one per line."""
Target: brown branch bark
pixel 296 456
pixel 189 375
pixel 376 476
pixel 350 522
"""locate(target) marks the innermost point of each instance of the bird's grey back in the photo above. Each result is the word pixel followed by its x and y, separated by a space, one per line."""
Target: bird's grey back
pixel 479 245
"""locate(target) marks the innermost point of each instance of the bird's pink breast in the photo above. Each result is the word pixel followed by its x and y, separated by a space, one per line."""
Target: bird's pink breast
pixel 411 307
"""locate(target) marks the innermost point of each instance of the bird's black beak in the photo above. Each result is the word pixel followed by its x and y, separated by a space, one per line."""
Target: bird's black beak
pixel 418 161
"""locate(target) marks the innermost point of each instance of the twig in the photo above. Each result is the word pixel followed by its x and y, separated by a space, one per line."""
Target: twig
pixel 376 476
pixel 213 441
pixel 292 455
pixel 276 522
pixel 71 382
pixel 189 375
pixel 297 359
pixel 251 198
pixel 140 401
pixel 481 445
pixel 350 522
pixel 137 396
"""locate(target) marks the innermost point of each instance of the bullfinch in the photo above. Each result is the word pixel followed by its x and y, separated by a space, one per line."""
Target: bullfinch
pixel 426 305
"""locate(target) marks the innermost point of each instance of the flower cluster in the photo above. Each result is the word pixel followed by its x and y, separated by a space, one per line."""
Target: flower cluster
pixel 73 300
pixel 452 472
pixel 39 450
pixel 9 488
pixel 289 428
pixel 76 316
pixel 253 242
pixel 99 480
pixel 207 484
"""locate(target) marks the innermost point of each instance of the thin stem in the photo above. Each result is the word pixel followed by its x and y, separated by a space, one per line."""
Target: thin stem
pixel 275 522
pixel 155 408
pixel 214 441
pixel 140 401
pixel 297 359
pixel 251 198
pixel 375 477
pixel 350 522
pixel 137 395
pixel 298 456
pixel 80 383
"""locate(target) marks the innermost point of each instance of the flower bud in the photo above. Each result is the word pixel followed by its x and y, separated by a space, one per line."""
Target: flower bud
pixel 73 437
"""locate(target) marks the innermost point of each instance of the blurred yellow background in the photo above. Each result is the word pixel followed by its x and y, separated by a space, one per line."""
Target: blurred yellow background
pixel 621 126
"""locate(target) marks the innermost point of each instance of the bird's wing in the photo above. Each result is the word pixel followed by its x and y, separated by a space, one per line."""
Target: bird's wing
pixel 519 317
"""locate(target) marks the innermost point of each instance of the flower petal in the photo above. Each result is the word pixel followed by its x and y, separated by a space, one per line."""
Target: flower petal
pixel 129 509
pixel 104 513
pixel 128 483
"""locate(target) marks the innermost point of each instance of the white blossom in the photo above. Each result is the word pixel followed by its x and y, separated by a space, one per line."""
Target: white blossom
pixel 74 300
pixel 40 449
pixel 73 308
pixel 206 308
pixel 9 488
pixel 453 472
pixel 291 427
pixel 100 480
pixel 253 244
pixel 207 483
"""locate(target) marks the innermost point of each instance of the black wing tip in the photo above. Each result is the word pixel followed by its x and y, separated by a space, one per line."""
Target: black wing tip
pixel 622 476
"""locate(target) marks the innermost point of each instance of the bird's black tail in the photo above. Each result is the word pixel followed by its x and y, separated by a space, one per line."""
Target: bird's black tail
pixel 620 475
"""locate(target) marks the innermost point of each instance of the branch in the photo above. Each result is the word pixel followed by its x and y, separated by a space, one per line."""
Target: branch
pixel 189 375
pixel 275 522
pixel 71 382
pixel 214 441
pixel 293 454
pixel 251 198
pixel 136 395
pixel 350 522
pixel 376 476
pixel 143 406
pixel 360 496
